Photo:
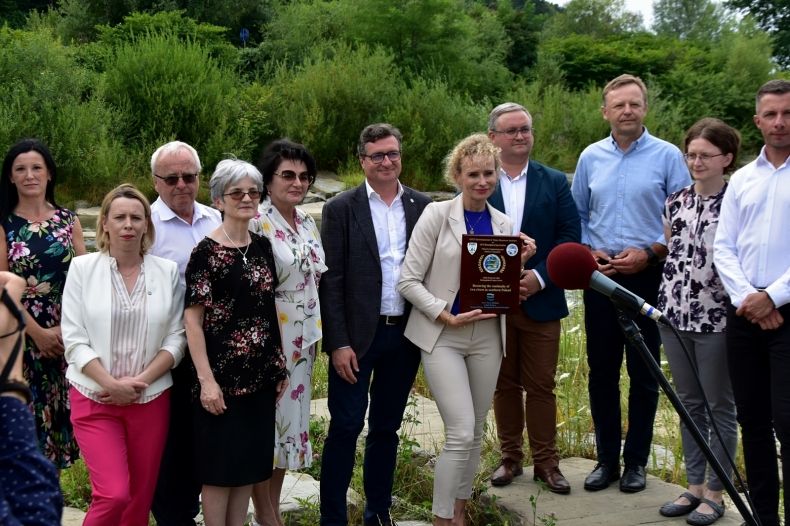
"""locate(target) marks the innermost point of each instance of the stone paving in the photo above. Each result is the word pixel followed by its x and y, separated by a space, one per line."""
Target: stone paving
pixel 581 508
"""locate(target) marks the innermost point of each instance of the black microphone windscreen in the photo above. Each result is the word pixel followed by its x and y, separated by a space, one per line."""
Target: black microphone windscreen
pixel 571 266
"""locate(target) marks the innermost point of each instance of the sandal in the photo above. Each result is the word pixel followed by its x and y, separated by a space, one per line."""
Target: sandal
pixel 670 509
pixel 704 519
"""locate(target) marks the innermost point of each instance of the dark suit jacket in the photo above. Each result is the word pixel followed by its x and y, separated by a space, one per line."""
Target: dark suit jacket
pixel 550 218
pixel 350 290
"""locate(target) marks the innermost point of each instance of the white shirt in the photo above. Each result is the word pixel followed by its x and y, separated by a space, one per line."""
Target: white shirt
pixel 514 195
pixel 389 222
pixel 175 238
pixel 751 250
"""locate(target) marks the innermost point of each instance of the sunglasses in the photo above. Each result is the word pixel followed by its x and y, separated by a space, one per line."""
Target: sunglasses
pixel 238 195
pixel 290 176
pixel 172 180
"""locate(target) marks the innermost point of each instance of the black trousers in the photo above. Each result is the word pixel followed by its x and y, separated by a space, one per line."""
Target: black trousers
pixel 605 348
pixel 759 363
pixel 176 501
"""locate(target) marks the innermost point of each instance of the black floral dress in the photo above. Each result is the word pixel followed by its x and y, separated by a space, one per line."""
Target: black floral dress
pixel 244 351
pixel 41 253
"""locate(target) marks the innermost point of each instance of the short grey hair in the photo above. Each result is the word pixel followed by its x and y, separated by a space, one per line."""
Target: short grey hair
pixel 230 172
pixel 505 107
pixel 171 148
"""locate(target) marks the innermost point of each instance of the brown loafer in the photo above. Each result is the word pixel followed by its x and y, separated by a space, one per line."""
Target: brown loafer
pixel 553 478
pixel 505 472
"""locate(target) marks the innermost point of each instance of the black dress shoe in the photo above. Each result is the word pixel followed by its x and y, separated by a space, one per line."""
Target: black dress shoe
pixel 601 477
pixel 634 479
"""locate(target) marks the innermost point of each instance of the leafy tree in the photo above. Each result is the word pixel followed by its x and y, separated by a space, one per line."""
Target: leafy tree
pixel 774 17
pixel 522 26
pixel 690 19
pixel 596 18
pixel 465 45
pixel 586 59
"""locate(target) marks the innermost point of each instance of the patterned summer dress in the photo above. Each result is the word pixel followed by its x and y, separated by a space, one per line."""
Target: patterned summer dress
pixel 300 262
pixel 41 253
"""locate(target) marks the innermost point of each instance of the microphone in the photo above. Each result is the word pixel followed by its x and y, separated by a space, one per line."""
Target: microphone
pixel 571 266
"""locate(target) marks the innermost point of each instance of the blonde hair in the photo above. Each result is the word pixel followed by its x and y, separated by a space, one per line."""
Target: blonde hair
pixel 476 145
pixel 624 80
pixel 130 192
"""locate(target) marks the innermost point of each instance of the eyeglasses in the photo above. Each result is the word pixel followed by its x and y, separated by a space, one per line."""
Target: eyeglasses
pixel 378 158
pixel 238 195
pixel 704 157
pixel 512 132
pixel 172 180
pixel 290 176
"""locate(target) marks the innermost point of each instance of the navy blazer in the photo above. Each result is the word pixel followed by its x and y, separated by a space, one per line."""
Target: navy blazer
pixel 550 218
pixel 350 291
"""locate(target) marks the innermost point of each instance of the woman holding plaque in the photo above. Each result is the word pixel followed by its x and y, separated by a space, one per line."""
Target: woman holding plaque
pixel 461 351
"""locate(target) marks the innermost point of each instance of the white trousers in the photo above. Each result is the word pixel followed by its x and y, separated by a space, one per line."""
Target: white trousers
pixel 462 372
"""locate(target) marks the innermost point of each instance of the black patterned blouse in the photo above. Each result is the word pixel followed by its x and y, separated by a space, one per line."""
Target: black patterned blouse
pixel 691 293
pixel 240 319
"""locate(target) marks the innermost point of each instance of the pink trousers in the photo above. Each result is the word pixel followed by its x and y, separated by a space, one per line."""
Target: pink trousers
pixel 122 448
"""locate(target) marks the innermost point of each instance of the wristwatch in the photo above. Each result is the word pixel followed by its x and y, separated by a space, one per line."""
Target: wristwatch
pixel 652 258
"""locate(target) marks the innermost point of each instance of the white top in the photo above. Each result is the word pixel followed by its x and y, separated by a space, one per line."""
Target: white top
pixel 751 250
pixel 88 321
pixel 389 222
pixel 175 238
pixel 514 194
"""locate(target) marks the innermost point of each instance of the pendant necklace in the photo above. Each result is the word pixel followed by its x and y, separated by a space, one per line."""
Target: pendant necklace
pixel 471 227
pixel 243 254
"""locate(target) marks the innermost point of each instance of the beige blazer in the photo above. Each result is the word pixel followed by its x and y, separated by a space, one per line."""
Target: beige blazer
pixel 87 309
pixel 431 271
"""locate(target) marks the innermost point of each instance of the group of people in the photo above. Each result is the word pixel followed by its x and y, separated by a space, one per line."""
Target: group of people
pixel 177 360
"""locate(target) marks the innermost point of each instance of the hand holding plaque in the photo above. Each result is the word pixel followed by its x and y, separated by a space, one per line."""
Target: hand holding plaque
pixel 490 272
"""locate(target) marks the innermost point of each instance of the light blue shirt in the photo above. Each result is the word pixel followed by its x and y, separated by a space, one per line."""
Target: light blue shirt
pixel 620 194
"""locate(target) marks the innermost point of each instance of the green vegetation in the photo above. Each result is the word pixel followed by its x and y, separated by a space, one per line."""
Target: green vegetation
pixel 105 82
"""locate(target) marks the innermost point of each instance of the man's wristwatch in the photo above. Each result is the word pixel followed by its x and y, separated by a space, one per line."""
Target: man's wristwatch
pixel 652 258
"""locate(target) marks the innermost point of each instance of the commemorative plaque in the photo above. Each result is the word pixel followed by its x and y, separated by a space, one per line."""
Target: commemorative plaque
pixel 490 272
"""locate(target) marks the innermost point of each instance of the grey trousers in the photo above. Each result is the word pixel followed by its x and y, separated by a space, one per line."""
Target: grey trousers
pixel 709 353
pixel 462 371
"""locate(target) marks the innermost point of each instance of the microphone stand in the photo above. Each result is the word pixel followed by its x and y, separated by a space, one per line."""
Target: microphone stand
pixel 635 339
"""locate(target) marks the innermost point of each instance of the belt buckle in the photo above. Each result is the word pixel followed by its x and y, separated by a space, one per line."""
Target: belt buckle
pixel 393 318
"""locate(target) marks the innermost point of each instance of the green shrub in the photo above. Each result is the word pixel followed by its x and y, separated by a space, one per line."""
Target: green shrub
pixel 433 119
pixel 168 89
pixel 44 94
pixel 565 121
pixel 325 102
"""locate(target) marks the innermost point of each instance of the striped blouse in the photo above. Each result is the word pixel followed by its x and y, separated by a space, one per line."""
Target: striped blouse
pixel 129 330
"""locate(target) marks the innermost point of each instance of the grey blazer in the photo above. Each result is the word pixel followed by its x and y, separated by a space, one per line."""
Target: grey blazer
pixel 431 272
pixel 350 290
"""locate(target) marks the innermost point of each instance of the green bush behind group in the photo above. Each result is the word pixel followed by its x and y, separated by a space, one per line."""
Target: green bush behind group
pixel 104 83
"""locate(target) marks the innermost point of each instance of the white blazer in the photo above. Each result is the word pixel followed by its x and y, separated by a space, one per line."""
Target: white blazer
pixel 431 272
pixel 87 308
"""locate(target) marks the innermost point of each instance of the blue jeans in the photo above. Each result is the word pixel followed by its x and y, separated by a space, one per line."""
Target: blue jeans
pixel 605 348
pixel 387 370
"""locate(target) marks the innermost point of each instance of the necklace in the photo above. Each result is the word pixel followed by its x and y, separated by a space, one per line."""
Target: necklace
pixel 130 274
pixel 470 227
pixel 243 254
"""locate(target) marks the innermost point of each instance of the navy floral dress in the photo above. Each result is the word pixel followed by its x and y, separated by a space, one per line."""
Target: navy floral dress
pixel 41 252
pixel 243 347
pixel 240 318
